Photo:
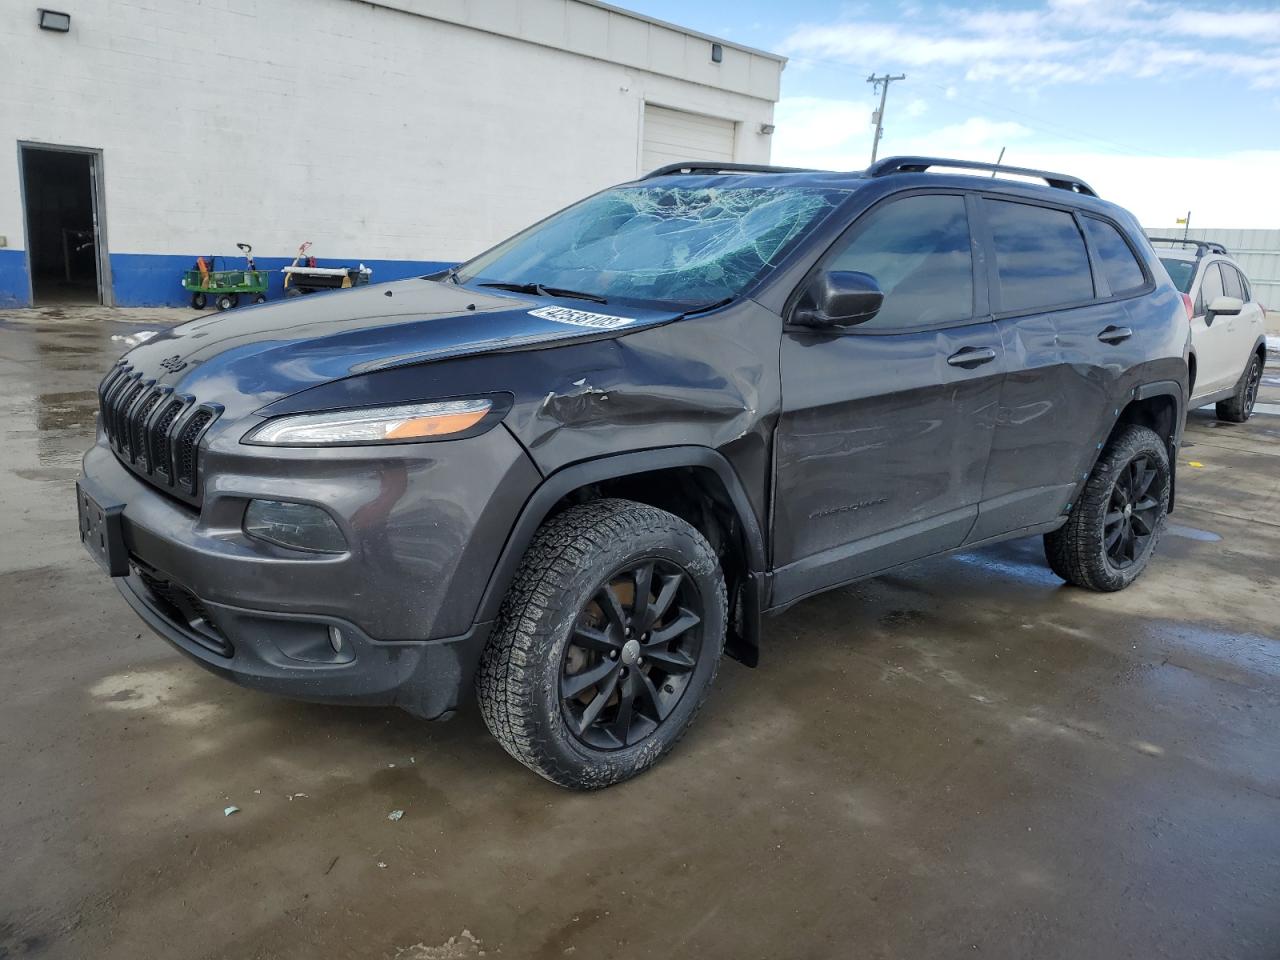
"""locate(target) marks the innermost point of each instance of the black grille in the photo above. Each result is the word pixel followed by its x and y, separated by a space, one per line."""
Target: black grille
pixel 185 455
pixel 153 431
pixel 178 604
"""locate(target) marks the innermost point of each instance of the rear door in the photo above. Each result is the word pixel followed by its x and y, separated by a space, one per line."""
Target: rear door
pixel 885 428
pixel 1211 336
pixel 1068 341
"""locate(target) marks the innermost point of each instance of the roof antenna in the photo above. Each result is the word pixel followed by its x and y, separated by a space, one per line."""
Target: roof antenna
pixel 998 159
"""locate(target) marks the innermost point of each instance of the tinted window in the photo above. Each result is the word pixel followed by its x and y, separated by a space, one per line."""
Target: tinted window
pixel 1231 281
pixel 1040 256
pixel 1181 272
pixel 1210 288
pixel 917 248
pixel 1116 260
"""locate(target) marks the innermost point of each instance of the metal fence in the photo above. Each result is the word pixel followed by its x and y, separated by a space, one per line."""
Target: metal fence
pixel 1257 252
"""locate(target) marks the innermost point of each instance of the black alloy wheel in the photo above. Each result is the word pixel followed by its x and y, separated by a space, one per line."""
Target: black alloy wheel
pixel 634 647
pixel 1238 408
pixel 1251 386
pixel 1133 513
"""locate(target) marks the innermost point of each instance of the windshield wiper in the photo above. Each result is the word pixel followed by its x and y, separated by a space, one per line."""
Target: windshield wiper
pixel 541 291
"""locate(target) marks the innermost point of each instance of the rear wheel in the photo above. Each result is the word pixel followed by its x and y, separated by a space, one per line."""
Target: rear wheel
pixel 1239 408
pixel 260 298
pixel 1118 517
pixel 227 301
pixel 606 645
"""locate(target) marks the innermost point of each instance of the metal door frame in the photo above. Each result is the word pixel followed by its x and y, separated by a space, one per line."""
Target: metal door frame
pixel 97 201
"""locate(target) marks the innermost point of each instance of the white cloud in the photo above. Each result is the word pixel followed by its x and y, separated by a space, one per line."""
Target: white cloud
pixel 1062 41
pixel 916 107
pixel 1229 190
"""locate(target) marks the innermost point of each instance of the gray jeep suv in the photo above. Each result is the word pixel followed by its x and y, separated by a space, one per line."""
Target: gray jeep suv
pixel 576 469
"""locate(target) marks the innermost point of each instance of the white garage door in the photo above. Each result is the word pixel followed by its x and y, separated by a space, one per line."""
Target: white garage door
pixel 673 135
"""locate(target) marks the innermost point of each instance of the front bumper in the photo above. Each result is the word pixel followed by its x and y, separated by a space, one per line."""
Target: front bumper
pixel 271 652
pixel 424 524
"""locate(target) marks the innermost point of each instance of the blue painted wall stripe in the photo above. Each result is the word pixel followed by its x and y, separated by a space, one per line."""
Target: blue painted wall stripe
pixel 13 278
pixel 155 279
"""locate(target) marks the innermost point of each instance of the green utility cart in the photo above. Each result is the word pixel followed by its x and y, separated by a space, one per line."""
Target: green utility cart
pixel 210 279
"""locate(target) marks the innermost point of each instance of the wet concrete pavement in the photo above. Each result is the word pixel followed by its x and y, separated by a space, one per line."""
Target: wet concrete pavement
pixel 963 759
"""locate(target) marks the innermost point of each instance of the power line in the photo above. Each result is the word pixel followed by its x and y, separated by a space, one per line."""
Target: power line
pixel 882 85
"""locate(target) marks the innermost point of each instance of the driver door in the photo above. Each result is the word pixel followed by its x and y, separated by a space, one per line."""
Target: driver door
pixel 886 426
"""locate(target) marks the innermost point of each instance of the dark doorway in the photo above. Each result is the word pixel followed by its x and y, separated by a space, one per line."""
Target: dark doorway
pixel 63 233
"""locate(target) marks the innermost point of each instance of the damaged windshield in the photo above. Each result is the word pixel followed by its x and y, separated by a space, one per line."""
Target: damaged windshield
pixel 686 244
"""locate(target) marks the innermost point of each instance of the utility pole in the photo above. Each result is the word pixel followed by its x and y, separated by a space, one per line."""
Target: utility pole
pixel 880 84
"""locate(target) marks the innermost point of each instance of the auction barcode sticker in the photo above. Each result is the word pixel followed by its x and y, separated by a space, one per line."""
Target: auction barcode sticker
pixel 580 318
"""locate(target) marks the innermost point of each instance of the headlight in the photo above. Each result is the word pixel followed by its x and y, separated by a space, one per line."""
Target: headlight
pixel 299 526
pixel 404 422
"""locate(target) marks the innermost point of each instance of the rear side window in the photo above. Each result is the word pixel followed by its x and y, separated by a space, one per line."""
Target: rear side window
pixel 1116 260
pixel 1210 288
pixel 1040 256
pixel 1231 282
pixel 918 251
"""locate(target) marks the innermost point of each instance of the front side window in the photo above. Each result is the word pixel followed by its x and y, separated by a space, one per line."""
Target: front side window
pixel 1119 265
pixel 1210 288
pixel 918 251
pixel 678 244
pixel 1231 281
pixel 1040 257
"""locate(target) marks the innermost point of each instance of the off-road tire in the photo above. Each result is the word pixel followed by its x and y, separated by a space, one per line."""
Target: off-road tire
pixel 571 556
pixel 1239 407
pixel 1076 551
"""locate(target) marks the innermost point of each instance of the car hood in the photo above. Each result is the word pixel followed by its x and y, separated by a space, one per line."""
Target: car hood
pixel 248 357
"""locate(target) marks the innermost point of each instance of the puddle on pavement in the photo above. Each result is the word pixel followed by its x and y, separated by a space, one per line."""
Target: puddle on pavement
pixel 66 411
pixel 1191 533
pixel 1030 572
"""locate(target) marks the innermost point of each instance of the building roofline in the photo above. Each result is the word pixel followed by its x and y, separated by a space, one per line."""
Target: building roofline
pixel 668 25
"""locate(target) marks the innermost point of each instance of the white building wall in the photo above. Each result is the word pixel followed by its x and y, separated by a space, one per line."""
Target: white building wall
pixel 372 131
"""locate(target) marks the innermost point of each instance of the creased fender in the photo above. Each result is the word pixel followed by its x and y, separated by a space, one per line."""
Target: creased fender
pixel 575 476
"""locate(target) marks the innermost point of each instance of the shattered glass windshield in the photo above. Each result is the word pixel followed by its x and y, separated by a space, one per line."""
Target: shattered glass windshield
pixel 692 245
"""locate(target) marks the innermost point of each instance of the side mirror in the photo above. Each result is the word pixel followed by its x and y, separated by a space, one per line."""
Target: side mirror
pixel 1226 306
pixel 838 298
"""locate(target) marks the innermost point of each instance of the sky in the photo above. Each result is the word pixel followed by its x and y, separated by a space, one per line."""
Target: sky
pixel 1163 107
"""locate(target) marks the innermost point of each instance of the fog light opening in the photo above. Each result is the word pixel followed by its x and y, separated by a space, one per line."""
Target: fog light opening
pixel 335 639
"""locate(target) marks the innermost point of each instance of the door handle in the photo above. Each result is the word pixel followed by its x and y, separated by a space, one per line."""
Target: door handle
pixel 1115 334
pixel 970 357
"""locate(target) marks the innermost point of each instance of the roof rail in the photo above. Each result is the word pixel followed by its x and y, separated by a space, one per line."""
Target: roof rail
pixel 1202 246
pixel 708 167
pixel 890 165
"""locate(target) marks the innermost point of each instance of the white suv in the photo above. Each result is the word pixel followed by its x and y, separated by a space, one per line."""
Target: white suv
pixel 1228 327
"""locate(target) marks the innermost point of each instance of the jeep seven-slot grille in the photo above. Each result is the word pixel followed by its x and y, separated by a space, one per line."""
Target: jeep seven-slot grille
pixel 152 430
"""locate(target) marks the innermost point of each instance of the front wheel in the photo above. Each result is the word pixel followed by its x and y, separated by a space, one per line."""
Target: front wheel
pixel 199 301
pixel 1115 522
pixel 1239 407
pixel 607 643
pixel 227 301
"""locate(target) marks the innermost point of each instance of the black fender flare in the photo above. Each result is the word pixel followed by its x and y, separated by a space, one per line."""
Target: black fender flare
pixel 564 481
pixel 1169 388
